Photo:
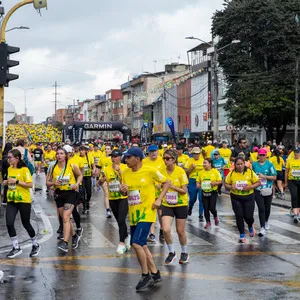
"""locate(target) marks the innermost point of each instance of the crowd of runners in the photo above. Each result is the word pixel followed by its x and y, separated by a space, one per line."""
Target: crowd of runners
pixel 148 182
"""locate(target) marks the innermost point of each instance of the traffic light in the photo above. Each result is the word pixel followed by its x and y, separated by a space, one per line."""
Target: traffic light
pixel 6 63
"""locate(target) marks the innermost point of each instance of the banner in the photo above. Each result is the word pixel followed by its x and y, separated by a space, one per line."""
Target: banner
pixel 170 123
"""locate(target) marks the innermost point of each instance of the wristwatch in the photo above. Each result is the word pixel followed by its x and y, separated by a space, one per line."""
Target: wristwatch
pixel 17 182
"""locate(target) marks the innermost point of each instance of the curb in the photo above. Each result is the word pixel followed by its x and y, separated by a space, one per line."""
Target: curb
pixel 287 206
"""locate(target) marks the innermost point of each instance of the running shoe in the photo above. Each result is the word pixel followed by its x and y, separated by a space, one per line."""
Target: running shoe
pixel 60 236
pixel 79 232
pixel 242 240
pixel 35 250
pixel 156 277
pixel 184 258
pixel 108 214
pixel 262 232
pixel 161 236
pixel 63 246
pixel 217 221
pixel 14 252
pixel 151 238
pixel 75 241
pixel 59 230
pixel 207 226
pixel 267 226
pixel 144 283
pixel 252 231
pixel 171 258
pixel 121 249
pixel 127 242
pixel 296 219
pixel 201 219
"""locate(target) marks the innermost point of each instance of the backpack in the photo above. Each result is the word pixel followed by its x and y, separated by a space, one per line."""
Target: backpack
pixel 28 163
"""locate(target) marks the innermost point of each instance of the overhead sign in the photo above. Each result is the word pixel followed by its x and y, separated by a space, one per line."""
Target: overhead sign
pixel 186 133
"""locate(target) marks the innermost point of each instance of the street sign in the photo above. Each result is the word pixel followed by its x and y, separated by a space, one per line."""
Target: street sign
pixel 186 133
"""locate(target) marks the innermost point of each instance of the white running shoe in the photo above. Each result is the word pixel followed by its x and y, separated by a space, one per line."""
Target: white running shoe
pixel 267 226
pixel 121 249
pixel 127 242
pixel 262 232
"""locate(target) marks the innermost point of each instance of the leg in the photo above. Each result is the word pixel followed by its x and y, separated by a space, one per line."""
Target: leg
pixel 76 217
pixel 294 196
pixel 150 262
pixel 268 202
pixel 201 208
pixel 11 213
pixel 192 190
pixel 180 228
pixel 237 207
pixel 105 191
pixel 65 212
pixel 248 210
pixel 260 202
pixel 213 204
pixel 88 191
pixel 122 215
pixel 280 187
pixel 205 201
pixel 141 256
pixel 25 211
pixel 84 193
pixel 167 223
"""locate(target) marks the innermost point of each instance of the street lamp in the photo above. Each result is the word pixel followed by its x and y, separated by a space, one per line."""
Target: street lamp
pixel 19 27
pixel 215 72
pixel 25 99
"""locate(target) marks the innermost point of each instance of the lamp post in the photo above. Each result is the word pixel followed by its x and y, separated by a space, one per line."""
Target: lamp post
pixel 25 100
pixel 214 71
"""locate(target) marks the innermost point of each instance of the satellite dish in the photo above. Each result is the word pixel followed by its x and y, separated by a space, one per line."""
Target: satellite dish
pixel 9 111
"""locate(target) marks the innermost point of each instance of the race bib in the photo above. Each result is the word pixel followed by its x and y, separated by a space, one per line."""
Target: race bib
pixel 180 165
pixel 296 172
pixel 134 198
pixel 37 155
pixel 263 183
pixel 12 186
pixel 114 186
pixel 47 161
pixel 64 180
pixel 96 160
pixel 172 198
pixel 240 184
pixel 86 170
pixel 206 185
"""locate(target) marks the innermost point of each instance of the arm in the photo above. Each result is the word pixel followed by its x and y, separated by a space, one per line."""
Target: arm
pixel 23 184
pixel 78 176
pixel 165 187
pixel 181 190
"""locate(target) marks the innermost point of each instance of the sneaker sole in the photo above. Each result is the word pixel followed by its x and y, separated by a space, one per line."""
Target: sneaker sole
pixel 171 262
pixel 181 262
pixel 15 255
pixel 36 254
pixel 64 250
pixel 145 287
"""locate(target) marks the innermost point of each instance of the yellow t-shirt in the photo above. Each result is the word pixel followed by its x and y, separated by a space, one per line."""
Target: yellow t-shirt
pixel 182 159
pixel 48 157
pixel 158 163
pixel 240 180
pixel 97 156
pixel 254 156
pixel 293 166
pixel 178 178
pixel 206 177
pixel 77 160
pixel 278 166
pixel 226 154
pixel 66 176
pixel 161 152
pixel 104 161
pixel 141 193
pixel 88 162
pixel 15 192
pixel 208 150
pixel 199 166
pixel 113 181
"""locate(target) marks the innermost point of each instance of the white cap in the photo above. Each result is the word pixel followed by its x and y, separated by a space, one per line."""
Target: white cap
pixel 165 145
pixel 68 148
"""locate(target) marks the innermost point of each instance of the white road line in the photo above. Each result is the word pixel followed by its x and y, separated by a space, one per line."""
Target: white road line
pixel 94 238
pixel 281 239
pixel 285 226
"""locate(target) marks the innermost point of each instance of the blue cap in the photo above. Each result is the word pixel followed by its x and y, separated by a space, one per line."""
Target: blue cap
pixel 152 148
pixel 134 151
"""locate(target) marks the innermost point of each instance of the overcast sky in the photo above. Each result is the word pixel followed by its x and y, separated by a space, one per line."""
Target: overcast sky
pixel 92 46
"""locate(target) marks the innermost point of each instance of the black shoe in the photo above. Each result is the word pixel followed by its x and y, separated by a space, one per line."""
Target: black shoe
pixel 144 282
pixel 151 238
pixel 156 277
pixel 63 246
pixel 296 220
pixel 14 252
pixel 189 212
pixel 220 192
pixel 84 211
pixel 60 236
pixel 79 232
pixel 35 250
pixel 184 258
pixel 59 230
pixel 75 241
pixel 161 236
pixel 201 219
pixel 171 258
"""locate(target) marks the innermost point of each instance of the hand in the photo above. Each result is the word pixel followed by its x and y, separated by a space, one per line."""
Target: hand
pixel 261 176
pixel 5 182
pixel 117 168
pixel 158 186
pixel 156 204
pixel 74 187
pixel 57 182
pixel 101 181
pixel 247 188
pixel 123 188
pixel 233 187
pixel 11 180
pixel 193 166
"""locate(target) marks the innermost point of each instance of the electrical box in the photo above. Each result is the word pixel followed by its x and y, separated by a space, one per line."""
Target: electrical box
pixel 38 4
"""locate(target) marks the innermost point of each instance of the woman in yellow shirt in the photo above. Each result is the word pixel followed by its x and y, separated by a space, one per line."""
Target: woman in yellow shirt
pixel 278 163
pixel 175 205
pixel 241 182
pixel 209 180
pixel 292 177
pixel 19 181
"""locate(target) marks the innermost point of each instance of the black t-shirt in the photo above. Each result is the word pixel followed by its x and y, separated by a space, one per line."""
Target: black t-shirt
pixel 37 154
pixel 237 150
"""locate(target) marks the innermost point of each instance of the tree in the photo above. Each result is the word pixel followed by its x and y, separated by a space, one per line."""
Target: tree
pixel 59 125
pixel 260 70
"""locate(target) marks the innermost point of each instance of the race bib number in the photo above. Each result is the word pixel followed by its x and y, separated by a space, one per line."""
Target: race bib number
pixel 180 165
pixel 37 155
pixel 172 198
pixel 206 185
pixel 134 198
pixel 86 170
pixel 296 172
pixel 12 186
pixel 263 183
pixel 114 186
pixel 96 160
pixel 64 180
pixel 240 184
pixel 47 161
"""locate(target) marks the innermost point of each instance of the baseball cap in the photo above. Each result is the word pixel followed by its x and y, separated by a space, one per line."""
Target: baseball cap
pixel 116 152
pixel 196 150
pixel 165 145
pixel 134 151
pixel 152 148
pixel 209 142
pixel 179 147
pixel 217 152
pixel 262 151
pixel 68 148
pixel 255 149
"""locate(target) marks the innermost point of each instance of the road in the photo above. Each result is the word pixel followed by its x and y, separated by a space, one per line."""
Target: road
pixel 219 268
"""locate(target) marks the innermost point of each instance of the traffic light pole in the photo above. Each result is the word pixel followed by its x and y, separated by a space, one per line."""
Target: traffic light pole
pixel 2 40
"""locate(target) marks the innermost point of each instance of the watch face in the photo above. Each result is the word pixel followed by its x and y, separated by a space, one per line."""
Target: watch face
pixel 196 120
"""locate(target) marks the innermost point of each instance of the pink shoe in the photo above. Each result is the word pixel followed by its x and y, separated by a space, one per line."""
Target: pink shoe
pixel 207 226
pixel 253 232
pixel 217 221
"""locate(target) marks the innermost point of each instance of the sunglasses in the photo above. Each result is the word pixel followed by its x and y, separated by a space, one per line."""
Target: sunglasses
pixel 167 158
pixel 261 154
pixel 216 154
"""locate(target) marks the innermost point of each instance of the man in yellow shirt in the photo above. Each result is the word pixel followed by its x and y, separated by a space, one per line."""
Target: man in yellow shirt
pixel 139 182
pixel 225 152
pixel 208 149
pixel 182 158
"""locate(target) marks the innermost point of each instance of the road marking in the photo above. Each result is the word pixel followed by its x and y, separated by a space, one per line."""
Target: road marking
pixel 94 238
pixel 285 226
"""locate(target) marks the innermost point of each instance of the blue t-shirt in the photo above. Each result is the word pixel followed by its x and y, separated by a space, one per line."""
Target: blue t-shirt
pixel 219 164
pixel 267 169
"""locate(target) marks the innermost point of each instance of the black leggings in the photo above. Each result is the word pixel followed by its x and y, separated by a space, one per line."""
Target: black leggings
pixel 209 204
pixel 294 188
pixel 11 213
pixel 264 207
pixel 120 211
pixel 87 191
pixel 243 207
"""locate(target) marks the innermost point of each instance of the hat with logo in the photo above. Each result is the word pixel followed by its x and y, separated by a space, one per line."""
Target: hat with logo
pixel 116 153
pixel 152 148
pixel 262 151
pixel 134 151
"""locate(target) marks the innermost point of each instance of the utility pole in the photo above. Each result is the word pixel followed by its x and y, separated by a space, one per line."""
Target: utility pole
pixel 55 99
pixel 163 102
pixel 132 109
pixel 297 100
pixel 216 95
pixel 73 115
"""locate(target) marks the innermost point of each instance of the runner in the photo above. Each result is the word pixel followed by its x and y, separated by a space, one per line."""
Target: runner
pixel 175 205
pixel 49 156
pixel 225 152
pixel 266 173
pixel 118 203
pixel 65 178
pixel 139 184
pixel 219 163
pixel 182 158
pixel 241 182
pixel 279 164
pixel 209 180
pixel 19 181
pixel 38 158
